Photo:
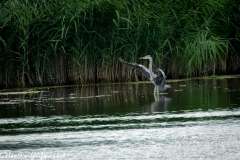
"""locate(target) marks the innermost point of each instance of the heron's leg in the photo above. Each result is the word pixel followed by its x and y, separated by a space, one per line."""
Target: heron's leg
pixel 154 92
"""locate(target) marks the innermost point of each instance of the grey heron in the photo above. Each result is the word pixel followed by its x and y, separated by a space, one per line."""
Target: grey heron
pixel 158 80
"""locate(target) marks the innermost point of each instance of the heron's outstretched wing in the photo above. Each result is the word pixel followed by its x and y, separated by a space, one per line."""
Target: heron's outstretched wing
pixel 139 67
pixel 160 71
pixel 160 80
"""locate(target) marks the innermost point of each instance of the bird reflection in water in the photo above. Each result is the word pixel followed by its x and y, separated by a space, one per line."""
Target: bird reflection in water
pixel 160 104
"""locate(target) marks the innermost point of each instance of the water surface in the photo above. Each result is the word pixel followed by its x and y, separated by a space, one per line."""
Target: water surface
pixel 196 119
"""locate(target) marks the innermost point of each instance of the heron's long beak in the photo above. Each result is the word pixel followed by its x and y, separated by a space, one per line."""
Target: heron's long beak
pixel 143 57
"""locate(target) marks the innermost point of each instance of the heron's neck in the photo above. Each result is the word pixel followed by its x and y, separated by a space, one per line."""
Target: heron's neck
pixel 150 68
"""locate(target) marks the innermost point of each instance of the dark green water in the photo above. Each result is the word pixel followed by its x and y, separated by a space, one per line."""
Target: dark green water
pixel 196 119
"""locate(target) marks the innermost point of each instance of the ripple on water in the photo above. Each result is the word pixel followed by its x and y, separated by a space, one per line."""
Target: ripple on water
pixel 99 122
pixel 214 140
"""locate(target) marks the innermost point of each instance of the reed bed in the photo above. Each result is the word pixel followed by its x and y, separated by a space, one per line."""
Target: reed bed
pixel 56 42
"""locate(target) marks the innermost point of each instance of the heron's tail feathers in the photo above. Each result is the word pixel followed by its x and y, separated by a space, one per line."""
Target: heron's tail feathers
pixel 167 86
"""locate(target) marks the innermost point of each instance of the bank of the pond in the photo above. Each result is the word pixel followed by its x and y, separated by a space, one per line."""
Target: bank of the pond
pixel 59 42
pixel 24 90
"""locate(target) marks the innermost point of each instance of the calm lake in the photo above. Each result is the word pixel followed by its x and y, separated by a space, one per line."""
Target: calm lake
pixel 195 119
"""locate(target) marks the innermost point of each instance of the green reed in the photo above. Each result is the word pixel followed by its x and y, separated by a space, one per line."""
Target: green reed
pixel 54 42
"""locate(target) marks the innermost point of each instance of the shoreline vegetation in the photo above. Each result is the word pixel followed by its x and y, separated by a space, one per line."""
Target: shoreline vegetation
pixel 65 42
